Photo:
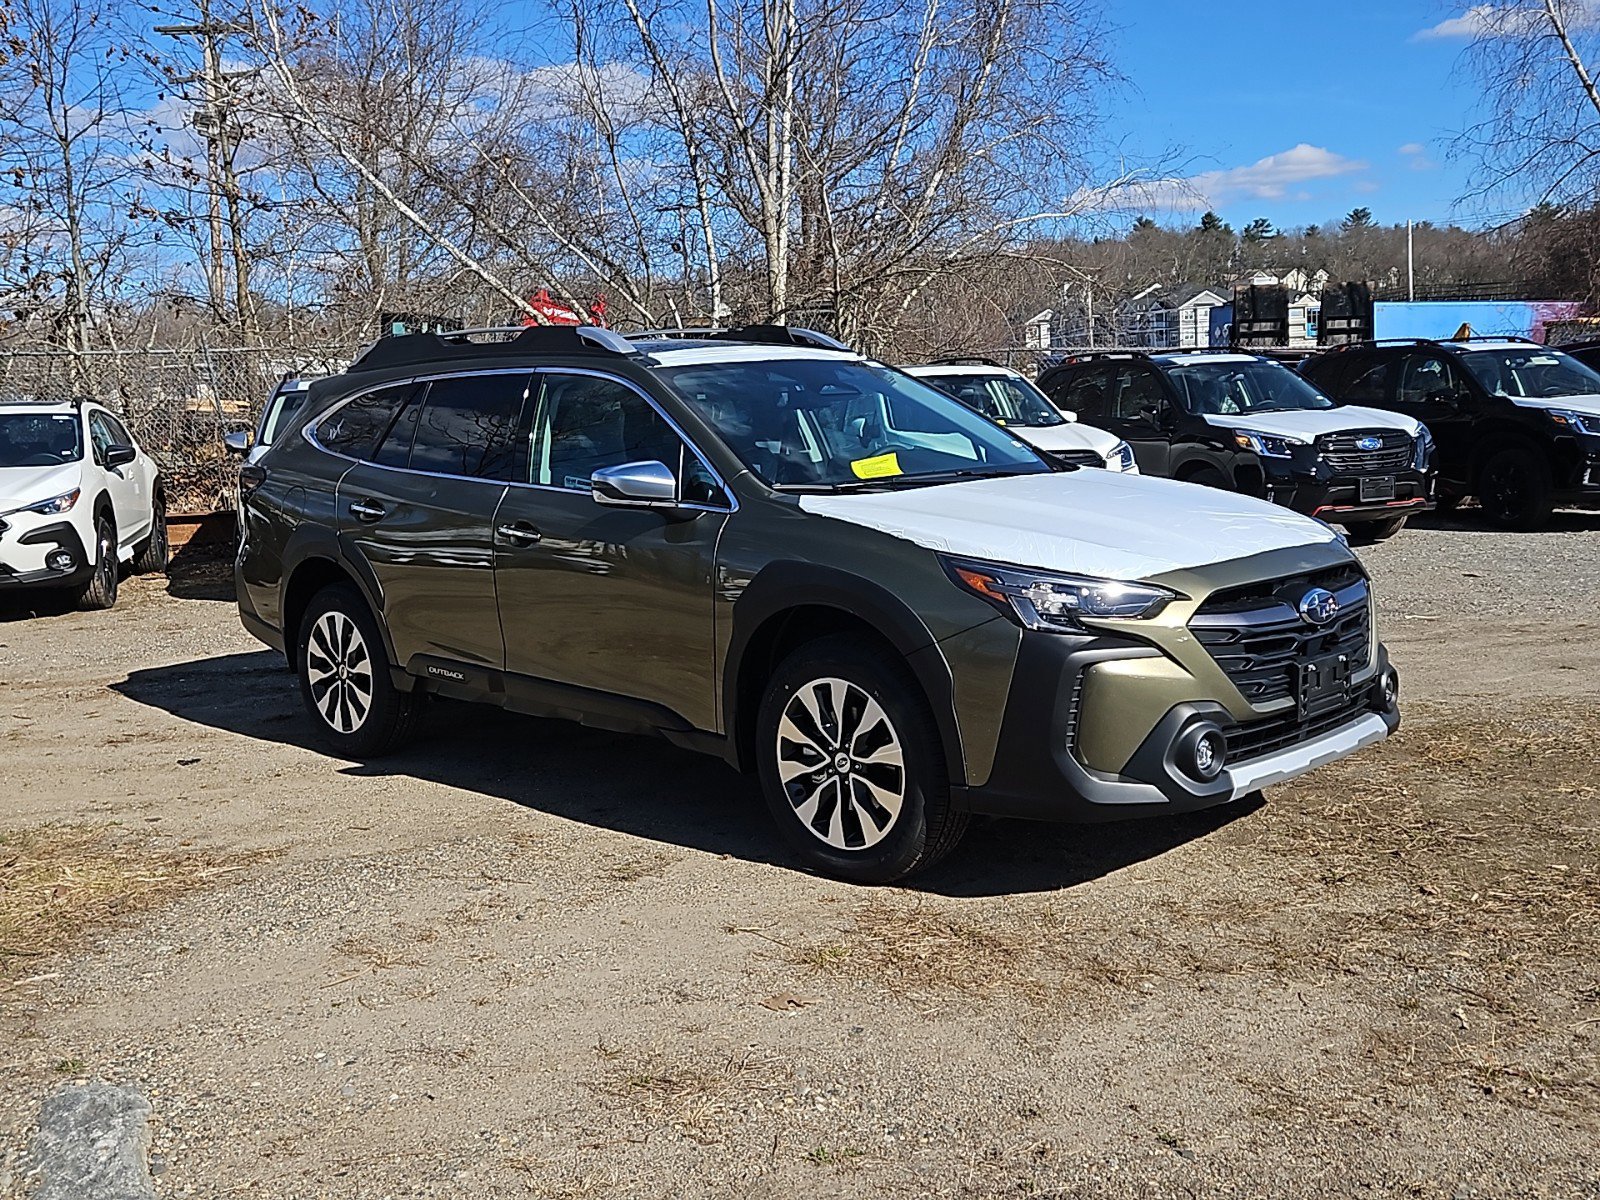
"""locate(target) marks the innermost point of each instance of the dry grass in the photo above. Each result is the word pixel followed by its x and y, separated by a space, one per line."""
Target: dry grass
pixel 692 1095
pixel 59 882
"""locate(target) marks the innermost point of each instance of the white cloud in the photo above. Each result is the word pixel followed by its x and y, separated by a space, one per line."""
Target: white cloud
pixel 1509 20
pixel 1411 148
pixel 1269 178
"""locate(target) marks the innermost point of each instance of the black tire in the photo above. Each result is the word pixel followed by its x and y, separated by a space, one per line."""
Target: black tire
pixel 1209 477
pixel 829 678
pixel 152 556
pixel 1446 502
pixel 344 678
pixel 1514 488
pixel 101 590
pixel 1366 533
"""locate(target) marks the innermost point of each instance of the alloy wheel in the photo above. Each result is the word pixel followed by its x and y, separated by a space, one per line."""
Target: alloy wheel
pixel 841 764
pixel 339 670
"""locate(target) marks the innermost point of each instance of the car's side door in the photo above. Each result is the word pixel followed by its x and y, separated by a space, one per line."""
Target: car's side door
pixel 1084 392
pixel 614 600
pixel 419 511
pixel 1434 390
pixel 1141 414
pixel 130 498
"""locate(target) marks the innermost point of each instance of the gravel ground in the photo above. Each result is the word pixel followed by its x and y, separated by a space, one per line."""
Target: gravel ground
pixel 529 958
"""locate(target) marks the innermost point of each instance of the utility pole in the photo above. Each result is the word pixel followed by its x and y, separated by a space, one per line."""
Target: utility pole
pixel 1411 266
pixel 222 184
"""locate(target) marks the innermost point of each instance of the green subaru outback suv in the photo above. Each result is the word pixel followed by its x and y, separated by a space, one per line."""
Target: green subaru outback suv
pixel 764 546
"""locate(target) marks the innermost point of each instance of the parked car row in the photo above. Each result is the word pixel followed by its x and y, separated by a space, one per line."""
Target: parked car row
pixel 894 610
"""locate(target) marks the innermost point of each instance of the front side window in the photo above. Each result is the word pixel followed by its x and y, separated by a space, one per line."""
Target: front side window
pixel 100 435
pixel 1535 373
pixel 1004 399
pixel 1369 382
pixel 353 429
pixel 1138 395
pixel 830 424
pixel 40 439
pixel 1210 389
pixel 1086 393
pixel 587 423
pixel 1428 378
pixel 467 425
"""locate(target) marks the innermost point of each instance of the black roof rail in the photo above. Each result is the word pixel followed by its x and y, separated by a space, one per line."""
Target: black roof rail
pixel 1495 337
pixel 1080 356
pixel 406 349
pixel 771 335
pixel 965 360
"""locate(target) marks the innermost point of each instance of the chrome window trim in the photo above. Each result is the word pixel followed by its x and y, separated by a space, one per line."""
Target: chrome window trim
pixel 308 431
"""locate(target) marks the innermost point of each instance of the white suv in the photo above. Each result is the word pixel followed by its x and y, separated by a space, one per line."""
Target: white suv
pixel 78 498
pixel 1008 399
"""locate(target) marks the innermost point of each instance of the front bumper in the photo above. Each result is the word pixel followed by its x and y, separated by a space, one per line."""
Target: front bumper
pixel 1319 493
pixel 1043 772
pixel 26 553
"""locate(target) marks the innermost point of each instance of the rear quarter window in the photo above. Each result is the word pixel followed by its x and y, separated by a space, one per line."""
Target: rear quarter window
pixel 354 428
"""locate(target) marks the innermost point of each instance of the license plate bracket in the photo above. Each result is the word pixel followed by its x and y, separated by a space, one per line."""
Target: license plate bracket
pixel 1376 487
pixel 1324 684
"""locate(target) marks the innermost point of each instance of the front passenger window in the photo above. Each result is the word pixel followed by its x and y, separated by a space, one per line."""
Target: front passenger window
pixel 588 423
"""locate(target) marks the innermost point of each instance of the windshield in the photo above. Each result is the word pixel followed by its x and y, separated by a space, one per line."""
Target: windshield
pixel 1213 389
pixel 40 439
pixel 1004 399
pixel 1534 373
pixel 831 424
pixel 280 407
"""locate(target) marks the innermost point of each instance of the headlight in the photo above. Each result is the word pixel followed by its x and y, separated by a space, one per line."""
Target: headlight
pixel 1120 458
pixel 1424 450
pixel 60 504
pixel 1267 445
pixel 1047 601
pixel 1575 421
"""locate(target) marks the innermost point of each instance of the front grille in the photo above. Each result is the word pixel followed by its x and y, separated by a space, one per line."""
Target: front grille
pixel 1340 452
pixel 1077 458
pixel 1260 738
pixel 1256 634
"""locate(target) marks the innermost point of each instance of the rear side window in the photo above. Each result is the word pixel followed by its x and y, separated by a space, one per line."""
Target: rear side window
pixel 468 426
pixel 1368 383
pixel 354 428
pixel 1084 393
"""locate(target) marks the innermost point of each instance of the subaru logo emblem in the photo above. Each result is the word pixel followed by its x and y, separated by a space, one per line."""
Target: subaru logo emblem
pixel 1369 443
pixel 1318 606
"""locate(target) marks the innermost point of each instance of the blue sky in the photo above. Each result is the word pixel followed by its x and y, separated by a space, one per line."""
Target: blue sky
pixel 1299 112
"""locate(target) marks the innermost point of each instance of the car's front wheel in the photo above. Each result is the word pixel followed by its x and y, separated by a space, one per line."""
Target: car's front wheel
pixel 344 677
pixel 851 763
pixel 101 590
pixel 1514 488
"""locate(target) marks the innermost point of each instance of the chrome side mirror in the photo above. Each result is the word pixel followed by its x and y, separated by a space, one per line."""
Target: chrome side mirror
pixel 238 441
pixel 636 484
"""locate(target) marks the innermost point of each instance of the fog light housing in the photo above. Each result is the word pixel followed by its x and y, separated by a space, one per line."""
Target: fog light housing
pixel 60 560
pixel 1389 688
pixel 1201 752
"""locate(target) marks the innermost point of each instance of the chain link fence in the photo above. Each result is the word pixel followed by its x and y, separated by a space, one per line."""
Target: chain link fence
pixel 178 403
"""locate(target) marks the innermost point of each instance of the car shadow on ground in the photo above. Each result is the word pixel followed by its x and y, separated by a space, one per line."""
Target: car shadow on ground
pixel 1469 520
pixel 636 785
pixel 202 570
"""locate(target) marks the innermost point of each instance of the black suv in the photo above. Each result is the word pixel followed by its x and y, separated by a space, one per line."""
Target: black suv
pixel 1517 423
pixel 1249 424
pixel 762 545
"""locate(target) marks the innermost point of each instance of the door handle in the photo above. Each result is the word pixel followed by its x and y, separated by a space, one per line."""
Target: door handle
pixel 519 534
pixel 366 510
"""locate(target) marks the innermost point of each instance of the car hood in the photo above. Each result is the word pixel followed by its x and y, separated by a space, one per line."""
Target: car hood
pixel 1071 436
pixel 1308 424
pixel 21 486
pixel 1097 523
pixel 1588 405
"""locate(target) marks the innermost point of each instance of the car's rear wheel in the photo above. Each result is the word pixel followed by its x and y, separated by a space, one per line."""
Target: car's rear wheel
pixel 1365 533
pixel 151 557
pixel 101 590
pixel 1514 488
pixel 344 677
pixel 851 763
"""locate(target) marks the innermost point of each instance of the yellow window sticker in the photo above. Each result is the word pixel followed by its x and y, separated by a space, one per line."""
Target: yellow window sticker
pixel 881 467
